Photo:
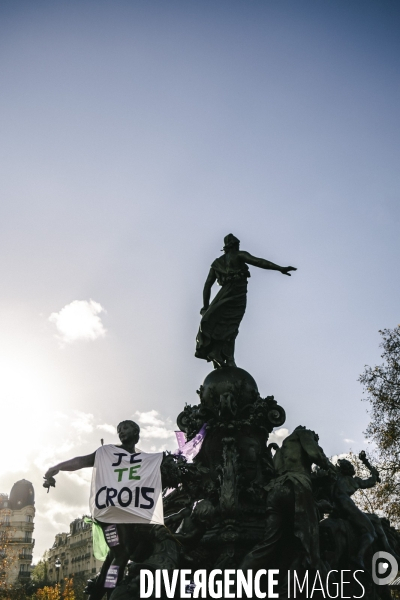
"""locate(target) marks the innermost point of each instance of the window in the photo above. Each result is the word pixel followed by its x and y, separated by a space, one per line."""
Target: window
pixel 29 518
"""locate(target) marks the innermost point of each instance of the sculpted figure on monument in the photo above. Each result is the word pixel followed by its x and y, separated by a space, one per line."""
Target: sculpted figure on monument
pixel 290 501
pixel 345 486
pixel 126 510
pixel 220 321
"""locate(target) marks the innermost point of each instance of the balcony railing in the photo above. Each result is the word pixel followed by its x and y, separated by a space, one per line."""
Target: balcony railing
pixel 24 575
pixel 25 557
pixel 78 544
pixel 24 525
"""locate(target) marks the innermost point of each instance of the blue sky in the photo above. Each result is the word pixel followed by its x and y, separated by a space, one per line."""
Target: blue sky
pixel 134 136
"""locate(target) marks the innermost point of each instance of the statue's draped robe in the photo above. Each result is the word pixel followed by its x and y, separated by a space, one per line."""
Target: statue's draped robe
pixel 305 521
pixel 220 323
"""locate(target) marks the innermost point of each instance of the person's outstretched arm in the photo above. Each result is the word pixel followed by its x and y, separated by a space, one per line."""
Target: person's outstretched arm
pixel 211 279
pixel 262 263
pixel 74 464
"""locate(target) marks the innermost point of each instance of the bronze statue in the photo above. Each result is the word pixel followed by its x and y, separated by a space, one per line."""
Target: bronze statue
pixel 131 535
pixel 220 321
pixel 235 506
pixel 345 486
pixel 290 499
pixel 128 433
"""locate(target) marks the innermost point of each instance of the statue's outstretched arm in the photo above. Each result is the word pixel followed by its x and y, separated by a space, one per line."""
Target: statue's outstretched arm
pixel 373 470
pixel 364 484
pixel 262 263
pixel 211 279
pixel 74 464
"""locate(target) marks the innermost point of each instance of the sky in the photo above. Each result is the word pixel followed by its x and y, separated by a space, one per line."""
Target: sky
pixel 134 136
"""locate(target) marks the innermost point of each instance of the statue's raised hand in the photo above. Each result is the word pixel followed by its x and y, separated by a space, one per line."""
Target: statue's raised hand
pixel 285 270
pixel 51 472
pixel 203 310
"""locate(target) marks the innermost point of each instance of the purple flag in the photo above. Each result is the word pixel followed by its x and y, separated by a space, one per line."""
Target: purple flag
pixel 180 438
pixel 192 448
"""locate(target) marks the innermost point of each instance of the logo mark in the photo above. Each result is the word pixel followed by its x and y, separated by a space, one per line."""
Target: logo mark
pixel 384 568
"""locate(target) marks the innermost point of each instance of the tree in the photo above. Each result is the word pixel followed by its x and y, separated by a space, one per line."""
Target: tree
pixel 39 571
pixel 7 552
pixel 382 390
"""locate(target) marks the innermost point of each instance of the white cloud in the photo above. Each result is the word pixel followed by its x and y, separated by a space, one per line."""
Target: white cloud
pixel 349 441
pixel 57 515
pixel 107 428
pixel 278 436
pixel 82 477
pixel 51 453
pixel 337 457
pixel 83 422
pixel 149 418
pixel 79 320
pixel 154 427
pixel 152 432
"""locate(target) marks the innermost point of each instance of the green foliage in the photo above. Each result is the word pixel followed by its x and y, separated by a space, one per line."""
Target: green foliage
pixel 382 389
pixel 61 591
pixel 69 589
pixel 17 592
pixel 7 554
pixel 39 572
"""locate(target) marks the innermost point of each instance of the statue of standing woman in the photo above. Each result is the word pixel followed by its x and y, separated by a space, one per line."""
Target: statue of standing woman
pixel 221 319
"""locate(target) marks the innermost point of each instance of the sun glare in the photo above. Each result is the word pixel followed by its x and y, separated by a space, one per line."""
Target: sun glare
pixel 25 400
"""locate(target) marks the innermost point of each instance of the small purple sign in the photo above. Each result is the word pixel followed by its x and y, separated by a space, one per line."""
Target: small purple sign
pixel 111 535
pixel 192 448
pixel 189 589
pixel 112 577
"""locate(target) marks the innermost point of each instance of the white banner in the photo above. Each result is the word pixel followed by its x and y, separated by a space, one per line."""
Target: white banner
pixel 126 488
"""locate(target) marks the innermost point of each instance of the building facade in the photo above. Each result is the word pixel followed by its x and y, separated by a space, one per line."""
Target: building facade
pixel 73 552
pixel 17 513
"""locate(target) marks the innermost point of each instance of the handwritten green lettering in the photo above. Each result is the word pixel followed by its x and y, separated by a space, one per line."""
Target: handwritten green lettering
pixel 133 471
pixel 120 472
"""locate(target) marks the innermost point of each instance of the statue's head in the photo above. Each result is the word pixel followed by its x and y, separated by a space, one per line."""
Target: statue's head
pixel 231 242
pixel 203 512
pixel 346 468
pixel 128 431
pixel 302 427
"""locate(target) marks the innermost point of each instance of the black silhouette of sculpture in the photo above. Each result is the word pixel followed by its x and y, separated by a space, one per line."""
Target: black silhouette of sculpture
pixel 236 505
pixel 220 321
pixel 239 507
pixel 345 486
pixel 339 491
pixel 290 499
